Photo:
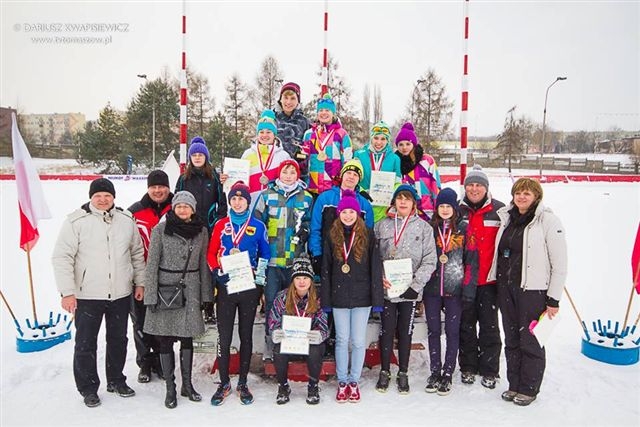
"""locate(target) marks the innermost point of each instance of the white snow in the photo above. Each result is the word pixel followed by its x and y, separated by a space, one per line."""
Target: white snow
pixel 600 219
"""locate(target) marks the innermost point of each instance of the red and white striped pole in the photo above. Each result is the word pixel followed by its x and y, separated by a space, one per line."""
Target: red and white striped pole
pixel 465 97
pixel 324 87
pixel 183 92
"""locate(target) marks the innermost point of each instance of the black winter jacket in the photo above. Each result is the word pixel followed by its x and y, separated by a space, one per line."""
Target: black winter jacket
pixel 210 199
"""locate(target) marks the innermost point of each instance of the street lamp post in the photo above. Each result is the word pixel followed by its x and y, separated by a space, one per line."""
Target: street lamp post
pixel 544 119
pixel 153 125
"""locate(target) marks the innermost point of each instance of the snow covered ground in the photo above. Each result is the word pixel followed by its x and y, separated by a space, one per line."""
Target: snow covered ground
pixel 600 218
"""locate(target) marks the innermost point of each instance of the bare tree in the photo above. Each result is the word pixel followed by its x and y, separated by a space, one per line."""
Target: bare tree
pixel 268 82
pixel 377 104
pixel 235 104
pixel 366 106
pixel 515 134
pixel 200 104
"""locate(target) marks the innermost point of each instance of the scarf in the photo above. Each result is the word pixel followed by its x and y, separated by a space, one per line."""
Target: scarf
pixel 182 228
pixel 518 219
pixel 287 188
pixel 406 164
pixel 238 219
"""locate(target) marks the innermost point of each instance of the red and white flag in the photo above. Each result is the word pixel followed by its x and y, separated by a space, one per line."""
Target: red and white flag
pixel 31 202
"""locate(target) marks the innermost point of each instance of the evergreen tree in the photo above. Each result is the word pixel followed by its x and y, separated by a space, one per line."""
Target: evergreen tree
pixel 105 143
pixel 200 104
pixel 235 109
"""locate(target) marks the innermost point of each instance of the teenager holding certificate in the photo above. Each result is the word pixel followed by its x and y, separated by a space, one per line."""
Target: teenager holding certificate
pixel 453 280
pixel 300 299
pixel 231 237
pixel 402 235
pixel 351 277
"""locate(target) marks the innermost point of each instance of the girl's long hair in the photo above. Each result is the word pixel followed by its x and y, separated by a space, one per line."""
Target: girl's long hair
pixel 437 220
pixel 360 243
pixel 292 297
pixel 206 168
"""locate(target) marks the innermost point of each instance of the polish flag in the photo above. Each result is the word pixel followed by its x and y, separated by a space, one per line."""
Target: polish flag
pixel 635 262
pixel 31 202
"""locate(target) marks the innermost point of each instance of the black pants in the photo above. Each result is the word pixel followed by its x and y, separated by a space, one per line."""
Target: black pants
pixel 525 358
pixel 145 343
pixel 88 318
pixel 480 350
pixel 397 318
pixel 314 362
pixel 165 343
pixel 245 304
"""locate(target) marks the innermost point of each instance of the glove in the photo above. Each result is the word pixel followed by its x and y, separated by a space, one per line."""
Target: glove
pixel 221 279
pixel 315 337
pixel 261 272
pixel 277 335
pixel 377 309
pixel 316 262
pixel 409 294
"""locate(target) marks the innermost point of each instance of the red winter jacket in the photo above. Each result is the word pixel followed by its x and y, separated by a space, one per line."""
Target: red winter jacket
pixel 147 214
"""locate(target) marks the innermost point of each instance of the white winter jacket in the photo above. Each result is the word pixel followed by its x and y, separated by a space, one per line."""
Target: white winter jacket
pixel 98 254
pixel 544 252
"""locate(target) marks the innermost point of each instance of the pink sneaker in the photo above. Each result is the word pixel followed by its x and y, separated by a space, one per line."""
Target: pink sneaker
pixel 354 397
pixel 343 393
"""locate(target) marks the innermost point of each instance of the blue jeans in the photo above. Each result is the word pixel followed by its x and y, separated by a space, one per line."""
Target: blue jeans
pixel 351 326
pixel 278 279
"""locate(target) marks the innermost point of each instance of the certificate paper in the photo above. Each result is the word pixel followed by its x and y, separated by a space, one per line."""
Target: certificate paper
pixel 400 273
pixel 381 188
pixel 240 272
pixel 295 339
pixel 545 326
pixel 237 169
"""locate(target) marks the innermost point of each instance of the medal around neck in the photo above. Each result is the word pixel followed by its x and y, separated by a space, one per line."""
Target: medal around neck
pixel 345 268
pixel 443 259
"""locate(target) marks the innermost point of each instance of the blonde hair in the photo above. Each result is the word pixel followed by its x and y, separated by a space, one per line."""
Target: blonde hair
pixel 292 296
pixel 360 242
pixel 524 184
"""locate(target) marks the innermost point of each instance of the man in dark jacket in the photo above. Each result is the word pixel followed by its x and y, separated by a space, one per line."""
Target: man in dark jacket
pixel 480 351
pixel 147 212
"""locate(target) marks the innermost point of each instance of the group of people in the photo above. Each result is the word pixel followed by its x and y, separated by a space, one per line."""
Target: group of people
pixel 317 249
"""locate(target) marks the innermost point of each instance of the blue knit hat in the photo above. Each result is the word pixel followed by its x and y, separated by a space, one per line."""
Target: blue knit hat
pixel 405 187
pixel 267 121
pixel 447 196
pixel 198 145
pixel 326 103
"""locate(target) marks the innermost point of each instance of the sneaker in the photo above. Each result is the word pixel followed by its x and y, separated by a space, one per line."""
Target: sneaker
pixel 523 400
pixel 383 381
pixel 445 386
pixel 488 381
pixel 343 393
pixel 354 396
pixel 508 395
pixel 313 394
pixel 144 376
pixel 221 393
pixel 122 390
pixel 246 398
pixel 433 382
pixel 284 391
pixel 468 377
pixel 402 381
pixel 91 400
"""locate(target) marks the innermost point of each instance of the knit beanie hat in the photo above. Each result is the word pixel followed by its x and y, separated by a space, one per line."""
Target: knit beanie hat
pixel 477 175
pixel 267 121
pixel 302 267
pixel 406 133
pixel 101 185
pixel 353 165
pixel 198 145
pixel 381 128
pixel 326 103
pixel 348 201
pixel 184 197
pixel 289 162
pixel 447 197
pixel 157 177
pixel 240 189
pixel 407 188
pixel 294 87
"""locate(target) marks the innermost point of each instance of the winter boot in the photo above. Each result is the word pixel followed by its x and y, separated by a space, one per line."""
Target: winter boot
pixel 313 393
pixel 284 391
pixel 467 377
pixel 383 381
pixel 168 363
pixel 523 399
pixel 403 383
pixel 186 365
pixel 144 376
pixel 489 381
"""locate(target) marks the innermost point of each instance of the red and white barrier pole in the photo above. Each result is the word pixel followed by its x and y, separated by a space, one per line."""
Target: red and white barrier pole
pixel 465 97
pixel 183 92
pixel 324 87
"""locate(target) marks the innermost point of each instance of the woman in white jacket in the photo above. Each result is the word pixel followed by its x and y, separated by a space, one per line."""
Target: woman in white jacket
pixel 530 265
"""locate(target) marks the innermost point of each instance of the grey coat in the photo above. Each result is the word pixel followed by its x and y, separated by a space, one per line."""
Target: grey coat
pixel 166 260
pixel 416 243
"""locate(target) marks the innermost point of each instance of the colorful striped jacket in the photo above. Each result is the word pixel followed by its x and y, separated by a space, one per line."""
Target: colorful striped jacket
pixel 255 172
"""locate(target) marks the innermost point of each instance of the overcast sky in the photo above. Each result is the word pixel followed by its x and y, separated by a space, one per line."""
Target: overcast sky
pixel 516 49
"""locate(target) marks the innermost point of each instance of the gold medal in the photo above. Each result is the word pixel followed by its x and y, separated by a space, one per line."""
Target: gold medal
pixel 234 251
pixel 264 180
pixel 393 253
pixel 443 259
pixel 345 268
pixel 322 156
